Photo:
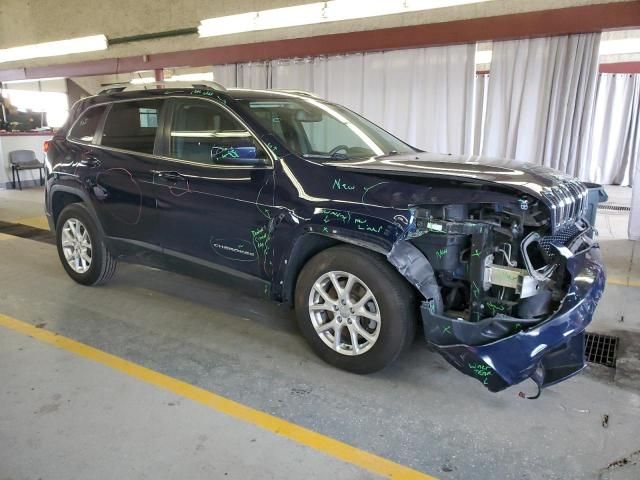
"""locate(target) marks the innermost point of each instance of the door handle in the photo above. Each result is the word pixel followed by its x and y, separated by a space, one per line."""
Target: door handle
pixel 172 176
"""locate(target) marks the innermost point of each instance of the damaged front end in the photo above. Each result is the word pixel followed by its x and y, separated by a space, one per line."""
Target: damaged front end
pixel 508 288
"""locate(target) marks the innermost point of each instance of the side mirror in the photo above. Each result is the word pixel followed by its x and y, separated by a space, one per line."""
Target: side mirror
pixel 236 155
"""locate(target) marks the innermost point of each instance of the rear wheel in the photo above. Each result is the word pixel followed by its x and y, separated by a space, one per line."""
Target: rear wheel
pixel 81 248
pixel 354 309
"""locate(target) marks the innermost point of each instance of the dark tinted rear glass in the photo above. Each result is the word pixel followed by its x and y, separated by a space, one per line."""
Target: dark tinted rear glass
pixel 132 125
pixel 85 128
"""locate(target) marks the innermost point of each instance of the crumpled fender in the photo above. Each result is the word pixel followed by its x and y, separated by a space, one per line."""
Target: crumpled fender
pixel 415 267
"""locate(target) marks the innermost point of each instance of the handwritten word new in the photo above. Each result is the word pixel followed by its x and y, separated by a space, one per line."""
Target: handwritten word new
pixel 339 185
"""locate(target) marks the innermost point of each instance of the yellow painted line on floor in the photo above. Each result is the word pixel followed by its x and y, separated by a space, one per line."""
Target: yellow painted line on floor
pixel 317 441
pixel 624 282
pixel 36 222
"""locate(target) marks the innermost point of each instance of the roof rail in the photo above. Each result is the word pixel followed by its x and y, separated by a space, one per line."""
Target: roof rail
pixel 301 92
pixel 129 87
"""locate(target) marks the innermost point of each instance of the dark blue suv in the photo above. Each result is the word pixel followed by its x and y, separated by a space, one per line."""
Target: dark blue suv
pixel 285 195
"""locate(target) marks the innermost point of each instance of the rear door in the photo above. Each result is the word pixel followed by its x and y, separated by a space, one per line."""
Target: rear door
pixel 120 170
pixel 214 189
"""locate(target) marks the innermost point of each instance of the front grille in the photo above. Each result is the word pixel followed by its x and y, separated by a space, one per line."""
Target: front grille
pixel 562 237
pixel 602 349
pixel 568 201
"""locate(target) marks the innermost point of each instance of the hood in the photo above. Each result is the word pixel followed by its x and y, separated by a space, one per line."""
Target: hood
pixel 527 177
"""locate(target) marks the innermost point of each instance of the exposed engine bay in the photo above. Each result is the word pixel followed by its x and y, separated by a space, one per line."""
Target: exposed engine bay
pixel 505 262
pixel 508 287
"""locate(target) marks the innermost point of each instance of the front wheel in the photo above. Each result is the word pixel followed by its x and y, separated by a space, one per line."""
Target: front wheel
pixel 81 248
pixel 355 310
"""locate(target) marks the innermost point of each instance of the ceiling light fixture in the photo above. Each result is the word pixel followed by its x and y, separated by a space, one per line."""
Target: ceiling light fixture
pixel 483 56
pixel 32 80
pixel 319 12
pixel 54 49
pixel 620 46
pixel 191 77
pixel 142 80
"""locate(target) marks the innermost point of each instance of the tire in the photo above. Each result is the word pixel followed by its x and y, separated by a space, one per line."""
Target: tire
pixel 393 302
pixel 102 264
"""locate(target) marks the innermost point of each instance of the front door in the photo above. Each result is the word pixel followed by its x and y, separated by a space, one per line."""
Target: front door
pixel 214 190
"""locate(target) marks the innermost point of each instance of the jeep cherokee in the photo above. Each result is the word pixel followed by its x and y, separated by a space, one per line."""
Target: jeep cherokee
pixel 303 201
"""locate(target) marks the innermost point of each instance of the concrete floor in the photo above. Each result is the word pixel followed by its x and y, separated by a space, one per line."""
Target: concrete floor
pixel 68 418
pixel 63 417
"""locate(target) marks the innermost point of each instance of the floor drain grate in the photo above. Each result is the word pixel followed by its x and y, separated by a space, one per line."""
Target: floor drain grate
pixel 601 349
pixel 614 208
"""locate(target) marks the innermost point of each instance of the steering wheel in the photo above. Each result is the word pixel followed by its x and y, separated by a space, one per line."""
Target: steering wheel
pixel 338 148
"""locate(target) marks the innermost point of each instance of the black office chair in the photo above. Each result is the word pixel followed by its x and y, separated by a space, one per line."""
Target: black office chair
pixel 24 160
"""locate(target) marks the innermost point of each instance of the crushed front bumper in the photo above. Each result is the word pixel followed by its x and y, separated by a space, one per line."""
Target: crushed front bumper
pixel 547 352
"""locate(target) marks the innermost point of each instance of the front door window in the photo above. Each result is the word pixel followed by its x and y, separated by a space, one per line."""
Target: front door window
pixel 202 132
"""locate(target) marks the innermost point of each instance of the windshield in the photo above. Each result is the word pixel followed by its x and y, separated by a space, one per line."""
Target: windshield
pixel 318 130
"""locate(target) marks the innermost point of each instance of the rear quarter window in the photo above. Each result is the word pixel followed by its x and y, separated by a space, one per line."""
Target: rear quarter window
pixel 132 125
pixel 85 128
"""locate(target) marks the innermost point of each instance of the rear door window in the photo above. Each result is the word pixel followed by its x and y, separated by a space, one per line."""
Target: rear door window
pixel 86 126
pixel 132 125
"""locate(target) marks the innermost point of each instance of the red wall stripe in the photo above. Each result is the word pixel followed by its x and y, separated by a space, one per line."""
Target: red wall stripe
pixel 589 18
pixel 621 67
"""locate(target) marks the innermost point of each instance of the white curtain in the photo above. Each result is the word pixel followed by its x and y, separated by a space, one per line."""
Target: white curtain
pixel 226 75
pixel 540 101
pixel 339 79
pixel 424 95
pixel 615 142
pixel 625 139
pixel 292 74
pixel 254 75
pixel 480 111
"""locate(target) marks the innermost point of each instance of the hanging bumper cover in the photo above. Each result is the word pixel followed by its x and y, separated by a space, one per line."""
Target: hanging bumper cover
pixel 546 351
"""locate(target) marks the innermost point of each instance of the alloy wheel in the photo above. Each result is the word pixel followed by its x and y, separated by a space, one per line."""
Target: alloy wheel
pixel 76 245
pixel 344 313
